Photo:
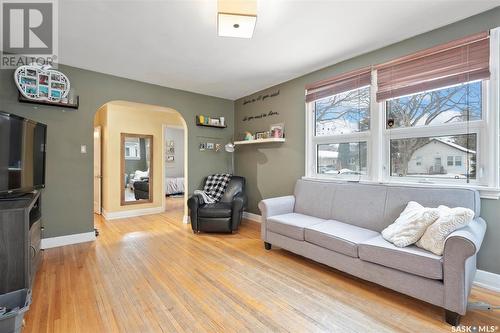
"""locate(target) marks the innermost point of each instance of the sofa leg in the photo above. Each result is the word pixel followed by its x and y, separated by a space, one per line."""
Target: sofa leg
pixel 267 245
pixel 452 318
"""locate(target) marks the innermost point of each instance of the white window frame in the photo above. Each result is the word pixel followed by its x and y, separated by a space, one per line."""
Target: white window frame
pixel 478 127
pixel 134 152
pixel 312 142
pixel 378 139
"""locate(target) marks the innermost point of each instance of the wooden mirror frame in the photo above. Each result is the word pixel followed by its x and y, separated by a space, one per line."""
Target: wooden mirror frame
pixel 122 168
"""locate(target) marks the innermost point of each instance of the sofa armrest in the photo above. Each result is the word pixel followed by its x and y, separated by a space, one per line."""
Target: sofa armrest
pixel 276 206
pixel 459 264
pixel 273 207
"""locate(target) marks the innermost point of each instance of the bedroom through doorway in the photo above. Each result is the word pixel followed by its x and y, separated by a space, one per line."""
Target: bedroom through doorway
pixel 174 136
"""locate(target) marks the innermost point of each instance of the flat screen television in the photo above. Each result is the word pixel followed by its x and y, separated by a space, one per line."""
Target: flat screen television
pixel 22 155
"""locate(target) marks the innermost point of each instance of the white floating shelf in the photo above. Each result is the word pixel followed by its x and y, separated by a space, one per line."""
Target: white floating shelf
pixel 248 142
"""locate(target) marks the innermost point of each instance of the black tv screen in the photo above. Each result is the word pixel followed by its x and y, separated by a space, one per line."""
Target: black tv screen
pixel 22 154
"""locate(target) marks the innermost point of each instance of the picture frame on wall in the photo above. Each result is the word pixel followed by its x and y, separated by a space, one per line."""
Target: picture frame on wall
pixel 262 135
pixel 277 130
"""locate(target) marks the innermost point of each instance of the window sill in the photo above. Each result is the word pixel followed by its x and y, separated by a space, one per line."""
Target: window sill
pixel 484 191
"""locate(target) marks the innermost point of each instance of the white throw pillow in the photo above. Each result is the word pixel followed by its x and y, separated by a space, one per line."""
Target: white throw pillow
pixel 410 225
pixel 450 219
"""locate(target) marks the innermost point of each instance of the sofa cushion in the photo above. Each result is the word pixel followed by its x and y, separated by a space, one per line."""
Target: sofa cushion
pixel 291 225
pixel 337 236
pixel 314 198
pixel 360 204
pixel 218 209
pixel 410 259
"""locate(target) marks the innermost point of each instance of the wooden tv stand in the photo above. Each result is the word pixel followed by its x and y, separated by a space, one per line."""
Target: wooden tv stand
pixel 20 236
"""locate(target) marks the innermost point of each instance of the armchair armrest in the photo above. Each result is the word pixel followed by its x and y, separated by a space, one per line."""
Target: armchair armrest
pixel 237 206
pixel 239 202
pixel 193 204
pixel 459 264
pixel 273 207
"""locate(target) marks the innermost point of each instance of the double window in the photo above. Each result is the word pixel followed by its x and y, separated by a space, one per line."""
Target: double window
pixel 423 118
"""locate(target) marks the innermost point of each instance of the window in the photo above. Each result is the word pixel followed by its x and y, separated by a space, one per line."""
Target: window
pixel 341 129
pixel 344 159
pixel 344 113
pixel 132 149
pixel 423 118
pixel 417 118
pixel 433 148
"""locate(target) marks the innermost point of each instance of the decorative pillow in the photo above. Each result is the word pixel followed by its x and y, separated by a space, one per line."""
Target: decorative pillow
pixel 410 225
pixel 450 219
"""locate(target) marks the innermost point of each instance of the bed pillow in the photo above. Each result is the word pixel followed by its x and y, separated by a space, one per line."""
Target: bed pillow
pixel 450 219
pixel 410 225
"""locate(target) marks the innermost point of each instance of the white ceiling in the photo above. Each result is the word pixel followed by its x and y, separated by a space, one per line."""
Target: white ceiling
pixel 175 44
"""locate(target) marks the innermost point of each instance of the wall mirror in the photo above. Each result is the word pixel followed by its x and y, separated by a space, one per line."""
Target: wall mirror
pixel 136 168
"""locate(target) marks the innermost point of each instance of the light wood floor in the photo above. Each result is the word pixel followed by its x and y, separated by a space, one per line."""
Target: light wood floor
pixel 152 274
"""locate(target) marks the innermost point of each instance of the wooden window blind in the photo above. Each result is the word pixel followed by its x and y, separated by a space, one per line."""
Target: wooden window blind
pixel 455 62
pixel 338 84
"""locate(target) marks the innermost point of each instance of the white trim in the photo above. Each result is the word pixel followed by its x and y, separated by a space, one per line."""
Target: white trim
pixel 484 192
pixel 131 213
pixel 252 217
pixel 174 126
pixel 186 219
pixel 47 243
pixel 487 280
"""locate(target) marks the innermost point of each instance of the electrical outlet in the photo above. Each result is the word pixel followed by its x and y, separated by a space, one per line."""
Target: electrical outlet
pixel 83 149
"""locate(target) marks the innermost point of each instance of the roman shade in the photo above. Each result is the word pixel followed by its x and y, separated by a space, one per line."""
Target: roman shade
pixel 338 84
pixel 455 62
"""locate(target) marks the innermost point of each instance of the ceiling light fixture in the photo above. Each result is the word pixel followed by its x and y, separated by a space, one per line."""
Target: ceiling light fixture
pixel 236 18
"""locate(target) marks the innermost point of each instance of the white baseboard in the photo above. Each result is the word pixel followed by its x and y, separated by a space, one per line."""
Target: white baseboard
pixel 252 217
pixel 487 280
pixel 47 243
pixel 131 213
pixel 186 219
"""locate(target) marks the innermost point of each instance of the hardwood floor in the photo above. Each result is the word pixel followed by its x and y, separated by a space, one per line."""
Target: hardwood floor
pixel 152 274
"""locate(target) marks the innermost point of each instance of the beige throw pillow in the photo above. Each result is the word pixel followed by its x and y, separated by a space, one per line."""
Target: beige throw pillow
pixel 410 225
pixel 450 219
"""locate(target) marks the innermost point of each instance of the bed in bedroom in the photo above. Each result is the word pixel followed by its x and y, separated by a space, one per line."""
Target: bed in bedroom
pixel 174 185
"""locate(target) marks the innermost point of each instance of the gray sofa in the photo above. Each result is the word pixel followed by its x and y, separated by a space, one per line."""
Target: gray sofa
pixel 339 224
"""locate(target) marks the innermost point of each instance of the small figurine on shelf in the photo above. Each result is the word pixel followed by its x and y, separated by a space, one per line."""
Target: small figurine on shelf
pixel 248 136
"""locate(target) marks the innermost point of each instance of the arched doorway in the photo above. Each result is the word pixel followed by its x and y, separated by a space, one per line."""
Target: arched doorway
pixel 120 126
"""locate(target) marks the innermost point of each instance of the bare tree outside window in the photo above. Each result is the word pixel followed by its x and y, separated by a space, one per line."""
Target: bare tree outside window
pixel 343 113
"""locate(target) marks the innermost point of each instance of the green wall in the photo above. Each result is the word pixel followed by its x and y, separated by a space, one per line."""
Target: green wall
pixel 68 196
pixel 271 169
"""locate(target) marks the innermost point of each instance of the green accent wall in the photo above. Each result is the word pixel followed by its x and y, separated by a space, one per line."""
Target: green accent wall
pixel 68 196
pixel 272 169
